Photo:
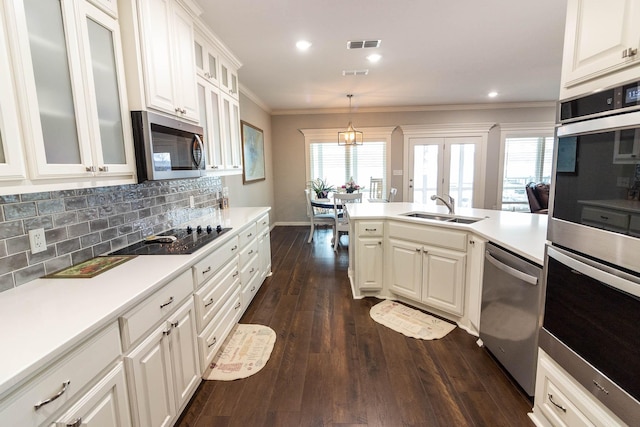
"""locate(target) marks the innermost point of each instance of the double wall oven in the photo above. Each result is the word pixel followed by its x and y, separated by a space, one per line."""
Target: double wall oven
pixel 591 319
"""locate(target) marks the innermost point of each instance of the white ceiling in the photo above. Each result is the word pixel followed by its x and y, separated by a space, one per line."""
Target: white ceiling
pixel 434 52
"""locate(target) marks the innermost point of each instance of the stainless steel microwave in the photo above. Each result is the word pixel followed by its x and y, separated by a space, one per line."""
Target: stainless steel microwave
pixel 166 148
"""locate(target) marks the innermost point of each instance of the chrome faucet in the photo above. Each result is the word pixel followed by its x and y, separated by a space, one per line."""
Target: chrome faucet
pixel 449 204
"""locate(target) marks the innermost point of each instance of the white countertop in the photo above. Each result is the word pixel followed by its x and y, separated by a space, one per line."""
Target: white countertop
pixel 45 318
pixel 522 233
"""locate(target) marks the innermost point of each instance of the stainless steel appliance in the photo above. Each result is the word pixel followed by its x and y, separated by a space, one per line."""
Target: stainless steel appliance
pixel 166 148
pixel 592 266
pixel 511 302
pixel 175 242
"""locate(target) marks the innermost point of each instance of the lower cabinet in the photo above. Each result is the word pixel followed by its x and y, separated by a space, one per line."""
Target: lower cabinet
pixel 105 405
pixel 560 401
pixel 425 272
pixel 369 255
pixel 164 369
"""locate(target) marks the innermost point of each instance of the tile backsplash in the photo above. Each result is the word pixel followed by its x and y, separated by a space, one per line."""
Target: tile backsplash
pixel 83 223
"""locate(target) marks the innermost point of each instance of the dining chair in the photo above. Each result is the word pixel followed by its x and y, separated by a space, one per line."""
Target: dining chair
pixel 392 194
pixel 375 188
pixel 341 215
pixel 317 218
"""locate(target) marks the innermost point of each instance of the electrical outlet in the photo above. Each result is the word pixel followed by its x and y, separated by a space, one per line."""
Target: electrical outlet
pixel 37 240
pixel 192 202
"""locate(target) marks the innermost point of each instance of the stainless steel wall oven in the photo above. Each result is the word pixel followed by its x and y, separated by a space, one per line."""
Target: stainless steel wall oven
pixel 592 265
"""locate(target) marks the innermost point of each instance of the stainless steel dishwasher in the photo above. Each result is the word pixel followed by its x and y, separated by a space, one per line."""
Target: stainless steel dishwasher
pixel 511 301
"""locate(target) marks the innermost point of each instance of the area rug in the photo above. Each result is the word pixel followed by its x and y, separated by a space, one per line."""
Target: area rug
pixel 245 352
pixel 410 322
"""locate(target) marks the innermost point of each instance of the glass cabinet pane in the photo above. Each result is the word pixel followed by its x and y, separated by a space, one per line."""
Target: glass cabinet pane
pixel 107 96
pixel 214 133
pixel 213 67
pixel 45 27
pixel 199 55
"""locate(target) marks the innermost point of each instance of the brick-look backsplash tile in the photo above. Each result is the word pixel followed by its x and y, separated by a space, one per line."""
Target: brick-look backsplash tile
pixel 82 223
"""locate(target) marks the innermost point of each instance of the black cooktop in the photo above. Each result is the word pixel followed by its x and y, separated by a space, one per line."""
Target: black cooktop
pixel 187 241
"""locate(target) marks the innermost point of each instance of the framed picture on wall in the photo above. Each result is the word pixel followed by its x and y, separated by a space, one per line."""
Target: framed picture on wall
pixel 252 153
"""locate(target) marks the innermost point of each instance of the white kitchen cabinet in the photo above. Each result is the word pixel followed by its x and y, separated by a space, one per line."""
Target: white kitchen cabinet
pixel 206 59
pixel 601 40
pixel 231 144
pixel 228 79
pixel 428 265
pixel 626 146
pixel 209 103
pixel 164 369
pixel 70 80
pixel 560 401
pixel 369 256
pixel 264 247
pixel 105 405
pixel 11 158
pixel 166 33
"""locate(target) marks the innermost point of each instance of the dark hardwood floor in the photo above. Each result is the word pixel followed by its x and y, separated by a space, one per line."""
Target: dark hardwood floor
pixel 332 365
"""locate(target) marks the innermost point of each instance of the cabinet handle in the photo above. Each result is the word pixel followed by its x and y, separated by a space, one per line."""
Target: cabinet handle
pixel 207 270
pixel 237 305
pixel 235 274
pixel 253 289
pixel 418 249
pixel 236 166
pixel 177 109
pixel 175 324
pixel 370 229
pixel 252 270
pixel 52 398
pixel 601 388
pixel 379 243
pixel 90 168
pixel 103 168
pixel 249 235
pixel 214 167
pixel 628 53
pixel 606 218
pixel 234 248
pixel 209 303
pixel 250 252
pixel 555 404
pixel 167 332
pixel 212 343
pixel 167 303
pixel 75 423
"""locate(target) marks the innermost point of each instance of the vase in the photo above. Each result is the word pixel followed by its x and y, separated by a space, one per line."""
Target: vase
pixel 322 194
pixel 350 190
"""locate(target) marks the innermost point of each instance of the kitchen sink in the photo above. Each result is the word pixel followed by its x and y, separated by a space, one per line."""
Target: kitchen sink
pixel 443 218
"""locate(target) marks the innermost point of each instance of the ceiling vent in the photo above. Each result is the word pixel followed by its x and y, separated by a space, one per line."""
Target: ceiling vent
pixel 355 72
pixel 361 44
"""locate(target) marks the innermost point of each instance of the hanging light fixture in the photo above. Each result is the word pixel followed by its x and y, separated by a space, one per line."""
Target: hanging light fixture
pixel 350 136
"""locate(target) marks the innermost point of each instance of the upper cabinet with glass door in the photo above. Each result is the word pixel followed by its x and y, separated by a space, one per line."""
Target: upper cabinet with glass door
pixel 11 160
pixel 601 45
pixel 206 59
pixel 71 85
pixel 229 78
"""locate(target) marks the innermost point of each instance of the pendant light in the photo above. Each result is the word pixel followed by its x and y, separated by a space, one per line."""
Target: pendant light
pixel 350 136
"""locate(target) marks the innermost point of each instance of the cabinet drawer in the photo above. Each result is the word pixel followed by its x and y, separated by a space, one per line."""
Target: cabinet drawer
pixel 212 262
pixel 248 252
pixel 250 290
pixel 79 368
pixel 215 293
pixel 370 228
pixel 247 235
pixel 143 317
pixel 210 340
pixel 250 269
pixel 436 236
pixel 263 224
pixel 605 218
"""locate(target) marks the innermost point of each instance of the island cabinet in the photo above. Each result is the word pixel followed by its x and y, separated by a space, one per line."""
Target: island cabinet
pixel 370 255
pixel 163 370
pixel 601 45
pixel 427 265
pixel 85 387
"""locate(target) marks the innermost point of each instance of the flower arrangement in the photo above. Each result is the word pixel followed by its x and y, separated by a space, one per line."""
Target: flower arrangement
pixel 351 186
pixel 321 188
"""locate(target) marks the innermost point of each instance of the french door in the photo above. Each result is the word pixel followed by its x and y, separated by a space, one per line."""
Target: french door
pixel 445 165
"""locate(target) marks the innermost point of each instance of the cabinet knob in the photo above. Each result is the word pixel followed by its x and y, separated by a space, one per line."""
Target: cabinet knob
pixel 90 168
pixel 103 168
pixel 629 52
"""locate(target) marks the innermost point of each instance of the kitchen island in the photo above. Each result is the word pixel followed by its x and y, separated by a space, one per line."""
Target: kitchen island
pixel 434 264
pixel 90 327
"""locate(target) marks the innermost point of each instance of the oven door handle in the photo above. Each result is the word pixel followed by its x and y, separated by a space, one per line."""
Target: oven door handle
pixel 532 280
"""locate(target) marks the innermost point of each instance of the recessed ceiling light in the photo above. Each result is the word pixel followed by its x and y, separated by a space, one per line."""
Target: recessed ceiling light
pixel 374 57
pixel 303 45
pixel 492 94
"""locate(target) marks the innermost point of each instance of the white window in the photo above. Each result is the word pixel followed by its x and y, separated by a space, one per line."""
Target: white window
pixel 337 164
pixel 526 156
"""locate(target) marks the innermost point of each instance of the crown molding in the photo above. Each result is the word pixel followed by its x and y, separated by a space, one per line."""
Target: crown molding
pixel 253 97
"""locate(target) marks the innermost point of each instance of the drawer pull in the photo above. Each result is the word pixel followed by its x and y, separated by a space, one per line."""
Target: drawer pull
pixel 252 270
pixel 605 218
pixel 212 343
pixel 250 234
pixel 237 305
pixel 75 423
pixel 207 270
pixel 167 332
pixel 167 303
pixel 175 324
pixel 555 404
pixel 252 289
pixel 250 252
pixel 234 248
pixel 235 274
pixel 370 229
pixel 601 388
pixel 52 398
pixel 209 303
